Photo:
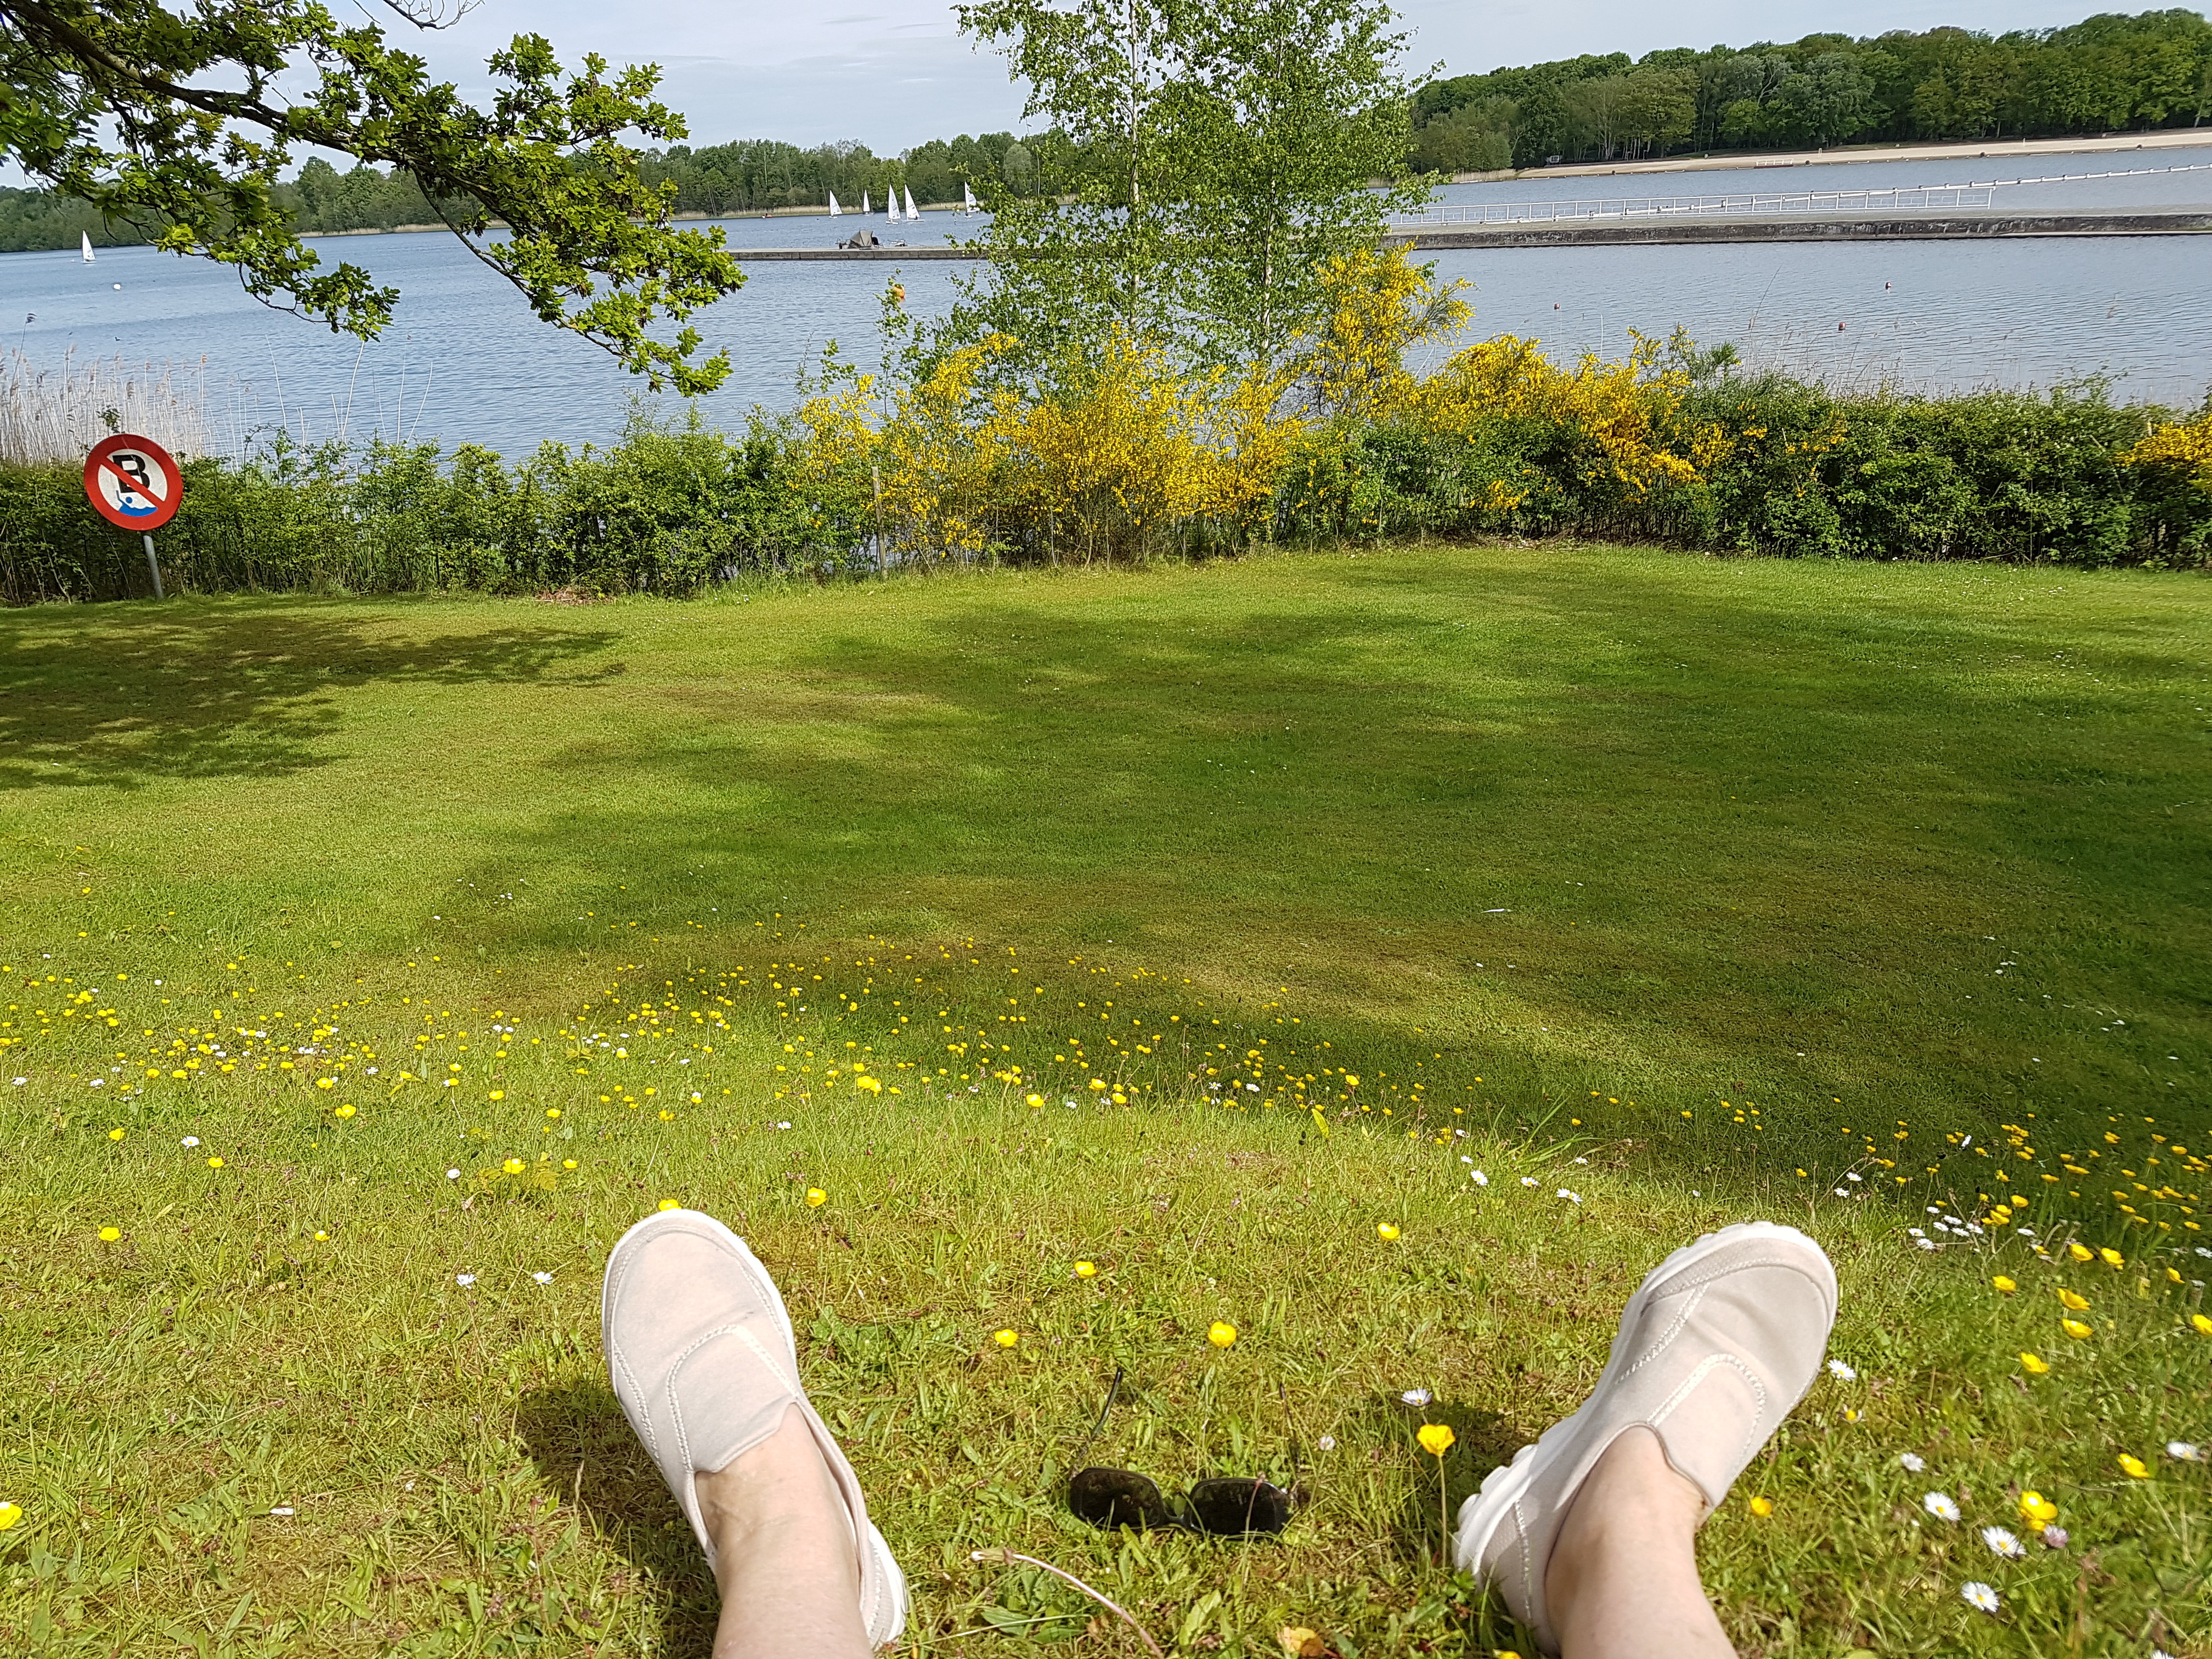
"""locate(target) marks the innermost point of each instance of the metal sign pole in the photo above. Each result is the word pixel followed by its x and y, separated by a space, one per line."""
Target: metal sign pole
pixel 153 565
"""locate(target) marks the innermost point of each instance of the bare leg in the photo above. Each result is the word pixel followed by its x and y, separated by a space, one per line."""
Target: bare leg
pixel 783 1551
pixel 1623 1579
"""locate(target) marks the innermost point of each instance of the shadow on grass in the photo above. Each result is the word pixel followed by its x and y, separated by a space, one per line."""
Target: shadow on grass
pixel 576 1435
pixel 232 688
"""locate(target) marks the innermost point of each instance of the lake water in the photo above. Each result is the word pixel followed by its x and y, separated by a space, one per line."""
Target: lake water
pixel 464 359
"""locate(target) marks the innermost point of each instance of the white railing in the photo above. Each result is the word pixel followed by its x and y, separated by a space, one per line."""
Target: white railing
pixel 1750 204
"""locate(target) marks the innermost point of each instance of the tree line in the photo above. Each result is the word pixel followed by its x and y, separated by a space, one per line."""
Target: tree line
pixel 2107 74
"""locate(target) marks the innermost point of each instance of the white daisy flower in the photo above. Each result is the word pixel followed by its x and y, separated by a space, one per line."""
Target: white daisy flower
pixel 1979 1595
pixel 1571 1197
pixel 1842 1373
pixel 1480 1179
pixel 543 1278
pixel 1912 1462
pixel 1417 1396
pixel 2001 1542
pixel 1939 1506
pixel 1528 1181
pixel 1327 1443
pixel 190 1140
pixel 2182 1451
pixel 464 1279
pixel 453 1175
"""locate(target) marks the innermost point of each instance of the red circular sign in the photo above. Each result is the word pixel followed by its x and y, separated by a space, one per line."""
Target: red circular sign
pixel 133 483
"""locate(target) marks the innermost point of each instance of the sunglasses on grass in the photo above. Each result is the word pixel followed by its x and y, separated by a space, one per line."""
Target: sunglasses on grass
pixel 1227 1506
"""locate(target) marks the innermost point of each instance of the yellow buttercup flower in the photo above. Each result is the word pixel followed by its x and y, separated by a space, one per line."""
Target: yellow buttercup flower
pixel 498 1094
pixel 1007 1338
pixel 1386 1232
pixel 1436 1439
pixel 2034 1364
pixel 116 1134
pixel 815 1198
pixel 2080 1252
pixel 1221 1333
pixel 2111 1258
pixel 2068 1299
pixel 1350 1081
pixel 2203 1325
pixel 9 1514
pixel 2075 1329
pixel 2134 1466
pixel 2004 1284
pixel 109 1235
pixel 215 1163
pixel 513 1166
pixel 1036 1103
pixel 1762 1507
pixel 672 1203
pixel 343 1111
pixel 552 1113
pixel 1086 1270
pixel 2034 1507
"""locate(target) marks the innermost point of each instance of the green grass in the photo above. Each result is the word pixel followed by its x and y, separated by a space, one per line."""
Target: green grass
pixel 1680 866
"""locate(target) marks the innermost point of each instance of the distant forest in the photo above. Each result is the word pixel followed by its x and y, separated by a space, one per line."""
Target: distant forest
pixel 2108 74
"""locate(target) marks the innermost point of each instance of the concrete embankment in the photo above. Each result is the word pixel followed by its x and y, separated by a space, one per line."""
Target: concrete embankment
pixel 1683 228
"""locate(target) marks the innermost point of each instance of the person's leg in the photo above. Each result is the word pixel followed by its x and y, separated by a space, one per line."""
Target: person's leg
pixel 1586 1535
pixel 699 1351
pixel 1623 1580
pixel 783 1552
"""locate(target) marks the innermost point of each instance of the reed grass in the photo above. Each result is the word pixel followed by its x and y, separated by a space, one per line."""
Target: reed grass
pixel 52 416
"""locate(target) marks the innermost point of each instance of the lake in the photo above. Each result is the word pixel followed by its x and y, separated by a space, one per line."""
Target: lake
pixel 466 362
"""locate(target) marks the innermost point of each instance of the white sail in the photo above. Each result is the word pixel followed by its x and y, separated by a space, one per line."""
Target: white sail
pixel 833 208
pixel 892 207
pixel 967 199
pixel 85 237
pixel 912 212
pixel 865 209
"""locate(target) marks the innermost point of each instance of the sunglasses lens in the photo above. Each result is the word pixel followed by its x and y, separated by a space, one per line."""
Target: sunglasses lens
pixel 1234 1506
pixel 1116 1497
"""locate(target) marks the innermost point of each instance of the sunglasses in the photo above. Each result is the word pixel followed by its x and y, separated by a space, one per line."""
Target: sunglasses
pixel 1227 1506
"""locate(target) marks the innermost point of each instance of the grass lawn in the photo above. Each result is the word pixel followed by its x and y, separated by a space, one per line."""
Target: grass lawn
pixel 1652 880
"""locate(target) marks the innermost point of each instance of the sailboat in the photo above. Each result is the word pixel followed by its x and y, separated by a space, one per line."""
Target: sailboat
pixel 833 208
pixel 913 213
pixel 967 199
pixel 865 209
pixel 85 238
pixel 892 207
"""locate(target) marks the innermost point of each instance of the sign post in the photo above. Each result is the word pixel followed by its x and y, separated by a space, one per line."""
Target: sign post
pixel 135 484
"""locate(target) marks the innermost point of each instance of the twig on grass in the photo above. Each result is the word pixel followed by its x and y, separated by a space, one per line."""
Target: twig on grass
pixel 1007 1558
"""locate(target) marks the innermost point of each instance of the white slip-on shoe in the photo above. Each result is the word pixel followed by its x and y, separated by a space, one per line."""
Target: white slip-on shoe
pixel 1717 1345
pixel 699 1351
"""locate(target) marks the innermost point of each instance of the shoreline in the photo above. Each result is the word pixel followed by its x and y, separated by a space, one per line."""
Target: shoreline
pixel 1974 150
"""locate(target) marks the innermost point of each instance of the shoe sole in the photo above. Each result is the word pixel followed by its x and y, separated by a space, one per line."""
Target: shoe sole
pixel 1502 1488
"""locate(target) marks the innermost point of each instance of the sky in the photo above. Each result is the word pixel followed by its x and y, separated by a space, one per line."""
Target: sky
pixel 894 73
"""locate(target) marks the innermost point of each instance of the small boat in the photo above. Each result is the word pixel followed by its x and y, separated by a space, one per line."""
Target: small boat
pixel 865 209
pixel 967 199
pixel 833 208
pixel 913 213
pixel 85 237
